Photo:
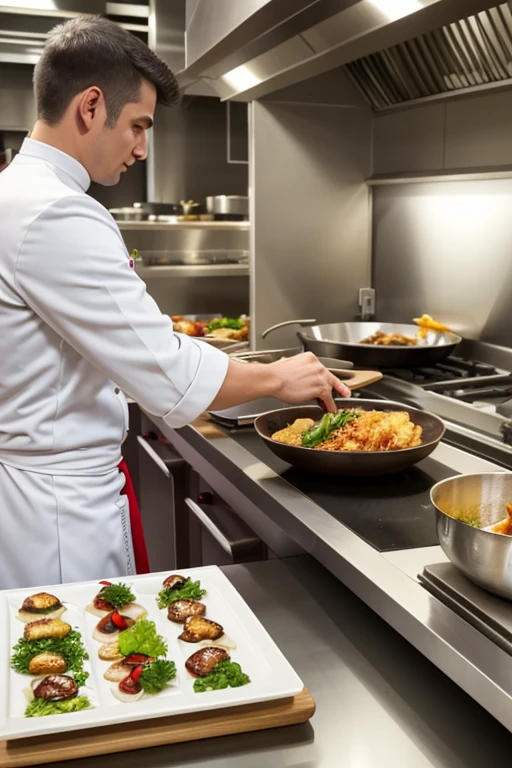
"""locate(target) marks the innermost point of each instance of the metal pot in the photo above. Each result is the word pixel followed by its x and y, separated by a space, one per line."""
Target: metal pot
pixel 228 205
pixel 349 463
pixel 344 340
pixel 484 557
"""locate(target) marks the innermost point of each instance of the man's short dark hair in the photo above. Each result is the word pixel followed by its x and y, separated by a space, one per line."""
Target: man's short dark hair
pixel 90 50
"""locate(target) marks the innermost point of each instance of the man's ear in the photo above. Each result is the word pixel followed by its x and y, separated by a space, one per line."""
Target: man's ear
pixel 90 105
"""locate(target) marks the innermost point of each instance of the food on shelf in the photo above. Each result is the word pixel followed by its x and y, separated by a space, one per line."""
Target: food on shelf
pixel 41 604
pixel 46 663
pixel 41 628
pixel 233 328
pixel 176 587
pixel 111 625
pixel 182 609
pixel 213 669
pixel 381 339
pixel 115 597
pixel 504 527
pixel 197 628
pixel 355 430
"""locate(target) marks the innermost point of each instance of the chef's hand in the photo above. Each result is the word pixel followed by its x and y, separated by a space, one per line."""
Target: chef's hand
pixel 303 377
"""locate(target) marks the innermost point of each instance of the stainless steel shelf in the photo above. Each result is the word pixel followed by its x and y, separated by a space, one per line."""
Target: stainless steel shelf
pixel 194 270
pixel 159 226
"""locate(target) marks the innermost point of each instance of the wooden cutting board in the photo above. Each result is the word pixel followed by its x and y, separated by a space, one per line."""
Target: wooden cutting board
pixel 92 742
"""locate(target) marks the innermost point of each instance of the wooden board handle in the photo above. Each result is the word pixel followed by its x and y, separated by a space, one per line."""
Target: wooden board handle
pixel 357 379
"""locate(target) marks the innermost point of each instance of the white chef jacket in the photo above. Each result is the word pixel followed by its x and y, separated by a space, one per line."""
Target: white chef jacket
pixel 77 329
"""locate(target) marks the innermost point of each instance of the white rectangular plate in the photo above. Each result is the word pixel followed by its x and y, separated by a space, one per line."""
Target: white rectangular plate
pixel 271 675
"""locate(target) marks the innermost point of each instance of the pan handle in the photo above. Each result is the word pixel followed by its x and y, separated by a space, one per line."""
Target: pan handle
pixel 287 322
pixel 356 379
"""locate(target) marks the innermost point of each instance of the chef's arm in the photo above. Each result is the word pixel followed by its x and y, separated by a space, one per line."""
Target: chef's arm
pixel 86 293
pixel 295 380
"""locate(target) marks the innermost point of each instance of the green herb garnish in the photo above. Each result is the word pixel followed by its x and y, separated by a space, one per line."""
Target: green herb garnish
pixel 117 594
pixel 191 590
pixel 328 424
pixel 81 678
pixel 156 674
pixel 41 708
pixel 225 674
pixel 142 637
pixel 70 647
pixel 225 322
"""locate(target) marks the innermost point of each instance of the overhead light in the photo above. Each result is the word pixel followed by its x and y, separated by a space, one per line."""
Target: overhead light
pixel 397 9
pixel 241 78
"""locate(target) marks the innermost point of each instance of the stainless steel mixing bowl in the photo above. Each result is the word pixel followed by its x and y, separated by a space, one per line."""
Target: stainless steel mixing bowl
pixel 464 506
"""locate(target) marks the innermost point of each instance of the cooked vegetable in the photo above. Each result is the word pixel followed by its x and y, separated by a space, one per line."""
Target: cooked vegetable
pixel 155 675
pixel 225 674
pixel 142 638
pixel 191 590
pixel 225 322
pixel 71 648
pixel 41 708
pixel 326 426
pixel 81 678
pixel 117 595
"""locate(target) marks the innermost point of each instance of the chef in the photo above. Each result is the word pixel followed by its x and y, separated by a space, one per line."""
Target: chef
pixel 77 326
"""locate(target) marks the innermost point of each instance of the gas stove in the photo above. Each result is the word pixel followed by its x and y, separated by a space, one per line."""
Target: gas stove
pixel 471 391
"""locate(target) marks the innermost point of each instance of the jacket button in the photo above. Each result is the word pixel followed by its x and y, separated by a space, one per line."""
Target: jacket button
pixel 117 390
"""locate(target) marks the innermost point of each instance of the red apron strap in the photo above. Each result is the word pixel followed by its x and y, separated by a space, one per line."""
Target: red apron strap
pixel 139 544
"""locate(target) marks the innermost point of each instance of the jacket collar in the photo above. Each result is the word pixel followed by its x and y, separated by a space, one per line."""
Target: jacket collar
pixel 60 160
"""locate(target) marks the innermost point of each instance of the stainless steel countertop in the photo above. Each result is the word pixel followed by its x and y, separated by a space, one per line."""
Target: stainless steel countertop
pixel 388 585
pixel 379 702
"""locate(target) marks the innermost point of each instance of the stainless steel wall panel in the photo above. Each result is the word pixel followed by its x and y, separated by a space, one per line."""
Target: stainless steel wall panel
pixel 479 131
pixel 408 141
pixel 310 213
pixel 445 249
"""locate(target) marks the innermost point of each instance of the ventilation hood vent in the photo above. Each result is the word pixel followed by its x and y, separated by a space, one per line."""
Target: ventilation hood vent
pixel 474 52
pixel 397 50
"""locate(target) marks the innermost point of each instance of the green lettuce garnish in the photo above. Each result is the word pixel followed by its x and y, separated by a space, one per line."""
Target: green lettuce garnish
pixel 41 708
pixel 225 674
pixel 142 637
pixel 191 590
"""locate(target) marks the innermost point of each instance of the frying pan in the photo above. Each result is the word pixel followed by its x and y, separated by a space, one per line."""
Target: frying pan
pixel 349 463
pixel 344 340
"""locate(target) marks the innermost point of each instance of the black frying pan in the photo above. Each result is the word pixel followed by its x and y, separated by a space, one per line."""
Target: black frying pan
pixel 349 463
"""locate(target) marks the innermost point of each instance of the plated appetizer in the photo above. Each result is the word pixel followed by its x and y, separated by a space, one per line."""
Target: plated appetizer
pixel 176 587
pixel 41 604
pixel 49 648
pixel 115 597
pixel 139 667
pixel 213 669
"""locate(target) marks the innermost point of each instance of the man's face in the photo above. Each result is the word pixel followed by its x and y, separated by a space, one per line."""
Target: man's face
pixel 115 149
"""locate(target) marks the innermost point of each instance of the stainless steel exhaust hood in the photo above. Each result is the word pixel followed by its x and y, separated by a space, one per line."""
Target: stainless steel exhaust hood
pixel 24 24
pixel 396 50
pixel 472 53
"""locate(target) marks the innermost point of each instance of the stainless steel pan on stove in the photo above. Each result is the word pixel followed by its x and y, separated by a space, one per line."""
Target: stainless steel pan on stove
pixel 480 499
pixel 349 463
pixel 343 340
